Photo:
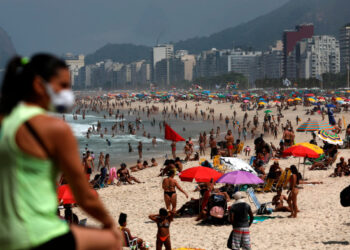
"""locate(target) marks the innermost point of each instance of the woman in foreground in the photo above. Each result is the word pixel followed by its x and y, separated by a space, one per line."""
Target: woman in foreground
pixel 34 148
pixel 163 220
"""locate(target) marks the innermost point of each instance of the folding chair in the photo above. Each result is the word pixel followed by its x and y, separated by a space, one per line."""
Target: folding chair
pixel 132 244
pixel 253 199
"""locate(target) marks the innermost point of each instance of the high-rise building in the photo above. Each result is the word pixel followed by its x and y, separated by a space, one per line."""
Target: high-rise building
pixel 211 63
pixel 169 71
pixel 316 56
pixel 246 63
pixel 290 39
pixel 344 41
pixel 162 52
pixel 272 62
pixel 189 64
pixel 75 63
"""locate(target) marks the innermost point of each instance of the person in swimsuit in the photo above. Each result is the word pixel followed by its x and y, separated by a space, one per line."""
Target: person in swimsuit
pixel 163 220
pixel 293 191
pixel 229 142
pixel 124 175
pixel 277 201
pixel 100 161
pixel 35 147
pixel 123 228
pixel 169 185
pixel 173 149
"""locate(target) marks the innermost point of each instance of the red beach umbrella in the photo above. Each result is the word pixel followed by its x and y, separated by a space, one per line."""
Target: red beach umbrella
pixel 200 174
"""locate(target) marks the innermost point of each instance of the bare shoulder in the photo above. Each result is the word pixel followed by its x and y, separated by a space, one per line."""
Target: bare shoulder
pixel 51 125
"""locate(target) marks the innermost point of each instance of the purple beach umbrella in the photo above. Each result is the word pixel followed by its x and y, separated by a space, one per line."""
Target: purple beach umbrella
pixel 240 178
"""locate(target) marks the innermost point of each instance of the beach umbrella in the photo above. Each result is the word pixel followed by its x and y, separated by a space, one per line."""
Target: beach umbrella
pixel 245 101
pixel 330 137
pixel 65 195
pixel 304 149
pixel 311 100
pixel 236 164
pixel 267 111
pixel 314 126
pixel 262 103
pixel 290 100
pixel 240 178
pixel 200 174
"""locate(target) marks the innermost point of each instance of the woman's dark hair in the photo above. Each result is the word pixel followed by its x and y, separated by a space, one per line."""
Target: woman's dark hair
pixel 122 219
pixel 18 80
pixel 163 212
pixel 107 156
pixel 294 170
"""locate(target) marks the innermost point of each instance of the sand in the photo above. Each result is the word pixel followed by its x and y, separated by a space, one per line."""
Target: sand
pixel 322 223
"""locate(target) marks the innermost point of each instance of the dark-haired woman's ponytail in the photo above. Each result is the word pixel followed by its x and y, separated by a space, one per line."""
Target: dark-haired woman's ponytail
pixel 11 92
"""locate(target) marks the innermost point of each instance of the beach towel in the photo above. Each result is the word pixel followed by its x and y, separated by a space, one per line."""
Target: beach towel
pixel 258 219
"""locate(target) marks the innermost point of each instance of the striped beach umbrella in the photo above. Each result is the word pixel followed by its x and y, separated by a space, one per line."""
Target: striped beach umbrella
pixel 314 126
pixel 330 137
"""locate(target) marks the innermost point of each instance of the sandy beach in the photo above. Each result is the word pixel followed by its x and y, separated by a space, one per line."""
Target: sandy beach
pixel 321 224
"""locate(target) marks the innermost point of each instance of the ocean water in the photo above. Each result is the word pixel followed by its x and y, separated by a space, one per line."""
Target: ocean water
pixel 119 143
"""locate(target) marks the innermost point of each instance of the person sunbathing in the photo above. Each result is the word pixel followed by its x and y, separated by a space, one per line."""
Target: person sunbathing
pixel 277 201
pixel 124 175
pixel 137 167
pixel 339 168
pixel 154 163
pixel 127 233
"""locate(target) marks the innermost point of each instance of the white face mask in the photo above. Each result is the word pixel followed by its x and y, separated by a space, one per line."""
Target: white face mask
pixel 61 102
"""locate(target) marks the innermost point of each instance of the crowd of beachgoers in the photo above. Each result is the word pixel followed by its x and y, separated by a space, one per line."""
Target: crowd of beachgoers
pixel 293 141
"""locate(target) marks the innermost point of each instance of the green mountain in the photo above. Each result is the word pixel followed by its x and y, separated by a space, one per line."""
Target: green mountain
pixel 124 53
pixel 328 16
pixel 6 48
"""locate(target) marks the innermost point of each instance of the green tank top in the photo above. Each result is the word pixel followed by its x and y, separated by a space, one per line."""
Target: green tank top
pixel 28 199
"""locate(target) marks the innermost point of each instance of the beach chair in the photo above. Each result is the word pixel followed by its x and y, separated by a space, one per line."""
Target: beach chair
pixel 268 185
pixel 253 199
pixel 132 244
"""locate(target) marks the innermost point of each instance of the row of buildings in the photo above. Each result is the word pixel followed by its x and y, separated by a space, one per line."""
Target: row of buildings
pixel 300 54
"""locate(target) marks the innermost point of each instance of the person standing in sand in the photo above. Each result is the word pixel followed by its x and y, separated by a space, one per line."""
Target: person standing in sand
pixel 293 191
pixel 173 149
pixel 100 161
pixel 169 186
pixel 163 220
pixel 238 216
pixel 229 142
pixel 139 149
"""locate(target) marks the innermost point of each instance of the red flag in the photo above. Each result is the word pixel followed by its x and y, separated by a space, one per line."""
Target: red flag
pixel 171 135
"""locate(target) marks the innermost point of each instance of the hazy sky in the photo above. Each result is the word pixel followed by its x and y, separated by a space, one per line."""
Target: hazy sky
pixel 82 26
